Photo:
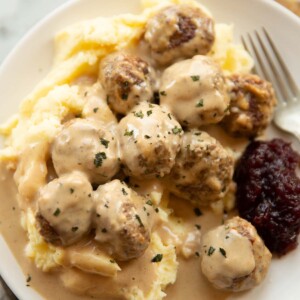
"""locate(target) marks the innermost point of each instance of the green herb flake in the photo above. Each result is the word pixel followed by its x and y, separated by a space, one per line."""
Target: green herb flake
pixel 95 109
pixel 198 226
pixel 104 142
pixel 176 130
pixel 149 202
pixel 99 157
pixel 28 279
pixel 71 190
pixel 128 133
pixel 112 261
pixel 157 258
pixel 139 114
pixel 195 77
pixel 147 137
pixel 149 113
pixel 226 237
pixel 124 192
pixel 211 250
pixel 163 93
pixel 197 254
pixel 223 252
pixel 139 220
pixel 169 115
pixel 74 229
pixel 197 211
pixel 197 133
pixel 57 212
pixel 200 103
pixel 227 109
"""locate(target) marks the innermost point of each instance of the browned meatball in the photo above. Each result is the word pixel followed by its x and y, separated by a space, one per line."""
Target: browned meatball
pixel 122 220
pixel 234 257
pixel 252 104
pixel 65 209
pixel 179 32
pixel 127 80
pixel 203 169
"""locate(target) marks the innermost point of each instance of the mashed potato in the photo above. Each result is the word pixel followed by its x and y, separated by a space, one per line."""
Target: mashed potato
pixel 79 48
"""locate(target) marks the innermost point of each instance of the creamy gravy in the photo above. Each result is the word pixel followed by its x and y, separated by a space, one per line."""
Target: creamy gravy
pixel 190 282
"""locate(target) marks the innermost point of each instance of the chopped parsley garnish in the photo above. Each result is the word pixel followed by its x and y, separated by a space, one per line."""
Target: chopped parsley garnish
pixel 139 114
pixel 223 252
pixel 169 115
pixel 200 103
pixel 147 137
pixel 104 142
pixel 227 109
pixel 197 133
pixel 139 220
pixel 99 157
pixel 74 229
pixel 149 112
pixel 226 237
pixel 57 212
pixel 176 130
pixel 71 190
pixel 197 211
pixel 197 253
pixel 28 278
pixel 163 93
pixel 112 261
pixel 195 77
pixel 149 202
pixel 198 226
pixel 124 97
pixel 211 250
pixel 95 109
pixel 157 258
pixel 128 133
pixel 124 192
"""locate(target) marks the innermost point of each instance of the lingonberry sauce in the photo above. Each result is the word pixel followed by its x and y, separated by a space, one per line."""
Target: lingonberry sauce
pixel 268 192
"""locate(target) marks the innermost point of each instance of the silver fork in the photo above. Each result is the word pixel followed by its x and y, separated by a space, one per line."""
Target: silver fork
pixel 270 65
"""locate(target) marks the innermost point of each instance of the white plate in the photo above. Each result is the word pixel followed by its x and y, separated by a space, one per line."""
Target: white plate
pixel 31 59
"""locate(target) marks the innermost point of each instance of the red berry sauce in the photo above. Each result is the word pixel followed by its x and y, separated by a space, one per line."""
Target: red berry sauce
pixel 268 192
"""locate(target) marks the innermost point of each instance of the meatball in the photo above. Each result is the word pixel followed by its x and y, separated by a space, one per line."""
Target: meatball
pixel 122 223
pixel 149 140
pixel 65 209
pixel 251 107
pixel 195 91
pixel 203 169
pixel 178 32
pixel 84 145
pixel 127 80
pixel 234 257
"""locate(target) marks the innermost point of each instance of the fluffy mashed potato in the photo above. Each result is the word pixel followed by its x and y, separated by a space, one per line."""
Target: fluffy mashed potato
pixel 79 48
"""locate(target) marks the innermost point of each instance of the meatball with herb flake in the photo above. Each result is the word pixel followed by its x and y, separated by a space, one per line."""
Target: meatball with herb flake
pixel 195 92
pixel 65 209
pixel 86 146
pixel 234 257
pixel 149 139
pixel 203 169
pixel 122 220
pixel 127 80
pixel 178 32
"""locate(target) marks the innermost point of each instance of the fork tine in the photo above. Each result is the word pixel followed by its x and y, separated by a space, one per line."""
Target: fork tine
pixel 264 72
pixel 248 50
pixel 290 80
pixel 277 76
